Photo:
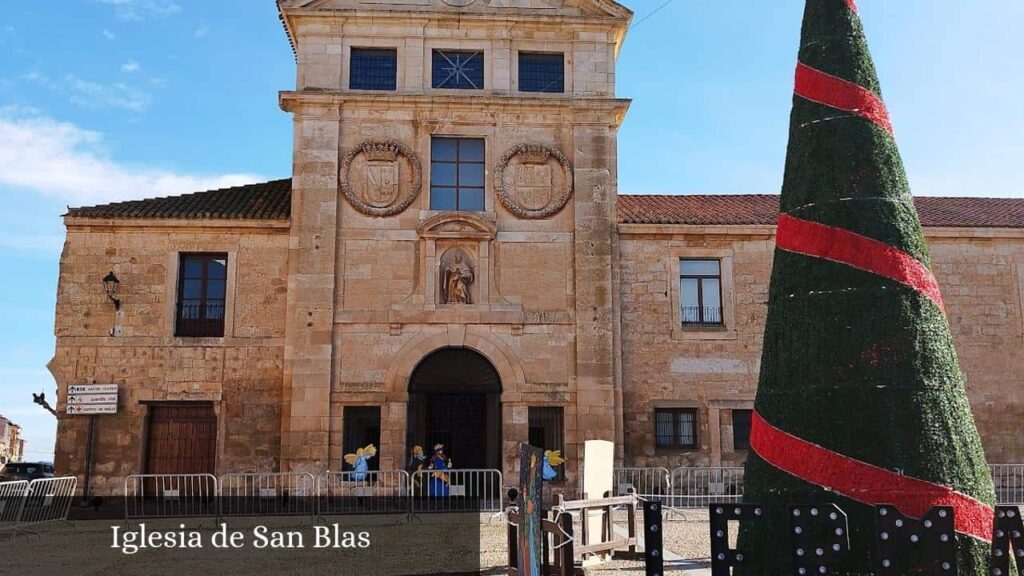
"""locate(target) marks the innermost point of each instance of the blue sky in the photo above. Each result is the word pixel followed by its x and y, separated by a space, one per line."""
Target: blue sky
pixel 103 100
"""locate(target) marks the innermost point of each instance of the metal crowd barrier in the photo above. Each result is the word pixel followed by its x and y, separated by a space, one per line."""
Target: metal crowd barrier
pixel 648 483
pixel 170 496
pixel 48 500
pixel 12 500
pixel 1009 483
pixel 456 491
pixel 270 494
pixel 375 492
pixel 24 504
pixel 699 487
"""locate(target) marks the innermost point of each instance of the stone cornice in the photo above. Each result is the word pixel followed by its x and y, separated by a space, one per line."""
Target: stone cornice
pixel 218 226
pixel 627 230
pixel 295 102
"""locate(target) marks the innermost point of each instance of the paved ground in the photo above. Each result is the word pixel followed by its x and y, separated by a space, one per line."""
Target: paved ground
pixel 416 547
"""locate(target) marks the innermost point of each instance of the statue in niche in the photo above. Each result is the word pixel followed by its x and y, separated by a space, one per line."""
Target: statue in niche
pixel 457 278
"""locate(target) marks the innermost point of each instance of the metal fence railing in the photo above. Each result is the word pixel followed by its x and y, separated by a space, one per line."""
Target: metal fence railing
pixel 170 496
pixel 274 494
pixel 25 504
pixel 48 500
pixel 648 483
pixel 456 491
pixel 12 499
pixel 376 492
pixel 699 487
pixel 1009 483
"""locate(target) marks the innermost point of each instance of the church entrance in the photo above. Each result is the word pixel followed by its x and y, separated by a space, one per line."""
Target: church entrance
pixel 455 400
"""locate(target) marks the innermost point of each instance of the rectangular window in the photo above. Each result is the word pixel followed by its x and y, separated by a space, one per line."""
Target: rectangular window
pixel 457 174
pixel 361 428
pixel 547 431
pixel 741 429
pixel 541 72
pixel 202 287
pixel 700 292
pixel 458 70
pixel 373 69
pixel 675 427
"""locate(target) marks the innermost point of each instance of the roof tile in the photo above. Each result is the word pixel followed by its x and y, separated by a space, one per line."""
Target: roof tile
pixel 272 201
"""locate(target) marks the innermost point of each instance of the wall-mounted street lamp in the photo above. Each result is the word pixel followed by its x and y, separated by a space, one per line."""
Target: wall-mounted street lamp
pixel 110 284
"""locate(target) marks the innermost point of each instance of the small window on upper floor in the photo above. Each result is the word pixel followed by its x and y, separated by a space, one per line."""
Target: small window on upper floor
pixel 458 70
pixel 457 174
pixel 373 69
pixel 700 292
pixel 541 72
pixel 202 290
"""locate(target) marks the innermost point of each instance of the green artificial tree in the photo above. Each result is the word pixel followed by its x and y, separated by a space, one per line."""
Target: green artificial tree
pixel 860 400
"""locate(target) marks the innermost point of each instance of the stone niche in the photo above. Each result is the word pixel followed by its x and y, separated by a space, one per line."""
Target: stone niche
pixel 456 260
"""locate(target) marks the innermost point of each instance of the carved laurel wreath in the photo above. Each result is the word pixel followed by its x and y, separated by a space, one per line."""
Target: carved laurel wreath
pixel 377 148
pixel 506 192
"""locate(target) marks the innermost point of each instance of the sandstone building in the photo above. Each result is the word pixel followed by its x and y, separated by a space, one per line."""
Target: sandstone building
pixel 451 261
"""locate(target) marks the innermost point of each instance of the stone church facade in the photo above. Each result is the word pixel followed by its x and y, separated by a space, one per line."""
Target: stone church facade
pixel 451 261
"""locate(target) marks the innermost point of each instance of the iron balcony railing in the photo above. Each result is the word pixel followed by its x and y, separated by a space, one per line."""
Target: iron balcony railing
pixel 702 316
pixel 200 320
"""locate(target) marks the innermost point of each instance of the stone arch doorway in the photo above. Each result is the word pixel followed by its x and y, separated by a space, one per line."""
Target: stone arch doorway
pixel 455 399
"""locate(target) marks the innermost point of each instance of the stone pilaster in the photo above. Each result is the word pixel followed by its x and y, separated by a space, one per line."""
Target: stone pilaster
pixel 311 282
pixel 595 224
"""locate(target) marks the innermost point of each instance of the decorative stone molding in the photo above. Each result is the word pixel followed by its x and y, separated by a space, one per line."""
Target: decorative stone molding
pixel 387 179
pixel 527 184
pixel 459 225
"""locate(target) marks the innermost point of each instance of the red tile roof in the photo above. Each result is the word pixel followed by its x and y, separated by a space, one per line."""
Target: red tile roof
pixel 264 201
pixel 272 201
pixel 753 209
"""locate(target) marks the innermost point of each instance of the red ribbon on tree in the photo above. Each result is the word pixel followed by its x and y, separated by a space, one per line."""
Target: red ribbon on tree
pixel 832 91
pixel 865 482
pixel 838 245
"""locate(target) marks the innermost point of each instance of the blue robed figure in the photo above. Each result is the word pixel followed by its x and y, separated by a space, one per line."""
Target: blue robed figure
pixel 360 462
pixel 552 458
pixel 439 480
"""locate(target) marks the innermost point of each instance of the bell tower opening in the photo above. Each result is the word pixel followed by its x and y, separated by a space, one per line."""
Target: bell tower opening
pixel 455 400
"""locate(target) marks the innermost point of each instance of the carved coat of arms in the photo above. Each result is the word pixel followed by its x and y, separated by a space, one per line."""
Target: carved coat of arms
pixel 534 181
pixel 380 178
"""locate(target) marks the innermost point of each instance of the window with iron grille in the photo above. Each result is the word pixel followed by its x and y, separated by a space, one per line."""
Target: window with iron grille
pixel 361 428
pixel 547 431
pixel 459 70
pixel 541 72
pixel 700 292
pixel 202 287
pixel 457 174
pixel 373 69
pixel 675 427
pixel 741 429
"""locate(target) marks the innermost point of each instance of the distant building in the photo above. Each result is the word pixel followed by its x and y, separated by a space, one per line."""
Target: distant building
pixel 12 446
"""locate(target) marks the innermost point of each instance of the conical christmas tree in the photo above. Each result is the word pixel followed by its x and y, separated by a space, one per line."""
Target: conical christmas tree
pixel 860 401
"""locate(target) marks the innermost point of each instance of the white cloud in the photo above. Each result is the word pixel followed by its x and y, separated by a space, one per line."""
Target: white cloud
pixel 130 66
pixel 63 161
pixel 136 10
pixel 108 34
pixel 95 95
pixel 201 32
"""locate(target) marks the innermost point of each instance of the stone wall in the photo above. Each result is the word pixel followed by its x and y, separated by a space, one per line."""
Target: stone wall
pixel 366 301
pixel 135 348
pixel 716 370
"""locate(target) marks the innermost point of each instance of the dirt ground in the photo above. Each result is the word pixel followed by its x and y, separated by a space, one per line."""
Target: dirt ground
pixel 399 547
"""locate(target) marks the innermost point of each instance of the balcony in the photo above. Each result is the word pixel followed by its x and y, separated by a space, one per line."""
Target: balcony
pixel 197 320
pixel 702 316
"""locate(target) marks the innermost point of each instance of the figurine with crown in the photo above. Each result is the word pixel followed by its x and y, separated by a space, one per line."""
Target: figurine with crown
pixel 440 464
